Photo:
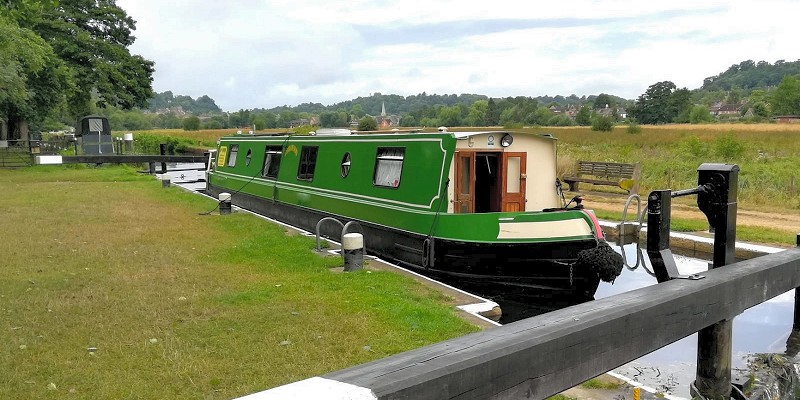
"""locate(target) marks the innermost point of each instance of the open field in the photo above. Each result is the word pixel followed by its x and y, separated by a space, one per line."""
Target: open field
pixel 767 155
pixel 113 287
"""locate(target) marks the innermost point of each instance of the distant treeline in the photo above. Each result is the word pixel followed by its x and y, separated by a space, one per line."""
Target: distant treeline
pixel 754 88
pixel 751 75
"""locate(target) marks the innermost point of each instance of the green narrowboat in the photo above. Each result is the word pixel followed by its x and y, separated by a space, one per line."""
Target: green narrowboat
pixel 479 206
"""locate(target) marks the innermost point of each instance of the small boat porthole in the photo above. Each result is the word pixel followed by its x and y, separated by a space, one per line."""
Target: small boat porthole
pixel 248 157
pixel 346 165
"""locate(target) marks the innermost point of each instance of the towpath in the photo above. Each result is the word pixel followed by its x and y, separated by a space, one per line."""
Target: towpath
pixel 786 219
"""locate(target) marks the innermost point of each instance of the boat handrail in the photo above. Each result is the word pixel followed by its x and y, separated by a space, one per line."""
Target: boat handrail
pixel 319 224
pixel 345 228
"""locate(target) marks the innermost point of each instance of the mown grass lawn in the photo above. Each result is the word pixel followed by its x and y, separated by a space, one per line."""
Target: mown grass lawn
pixel 178 304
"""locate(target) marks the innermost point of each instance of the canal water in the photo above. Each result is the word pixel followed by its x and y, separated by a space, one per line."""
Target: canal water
pixel 762 329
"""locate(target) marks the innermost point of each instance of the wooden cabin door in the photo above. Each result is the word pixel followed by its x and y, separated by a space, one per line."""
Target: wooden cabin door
pixel 465 182
pixel 513 196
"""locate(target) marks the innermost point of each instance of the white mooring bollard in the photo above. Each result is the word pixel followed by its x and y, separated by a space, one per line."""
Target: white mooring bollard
pixel 224 203
pixel 353 251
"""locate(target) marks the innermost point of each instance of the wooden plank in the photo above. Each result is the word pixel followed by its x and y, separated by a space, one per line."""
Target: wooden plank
pixel 592 181
pixel 544 355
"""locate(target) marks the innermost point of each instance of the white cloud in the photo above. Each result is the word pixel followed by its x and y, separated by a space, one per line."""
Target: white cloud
pixel 252 54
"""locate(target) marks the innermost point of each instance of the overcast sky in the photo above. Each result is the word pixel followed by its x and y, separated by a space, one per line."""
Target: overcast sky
pixel 262 54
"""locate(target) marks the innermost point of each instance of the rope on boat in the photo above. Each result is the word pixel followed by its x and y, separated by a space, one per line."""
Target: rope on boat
pixel 427 245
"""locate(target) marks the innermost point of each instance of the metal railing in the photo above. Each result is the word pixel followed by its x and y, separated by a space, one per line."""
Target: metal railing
pixel 16 153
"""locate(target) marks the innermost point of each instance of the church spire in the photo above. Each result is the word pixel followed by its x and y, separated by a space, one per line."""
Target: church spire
pixel 383 109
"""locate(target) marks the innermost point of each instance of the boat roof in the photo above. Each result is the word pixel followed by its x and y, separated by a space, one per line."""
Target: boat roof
pixel 465 135
pixel 346 132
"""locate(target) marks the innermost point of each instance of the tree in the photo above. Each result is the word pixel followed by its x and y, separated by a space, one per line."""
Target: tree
pixel 328 119
pixel 367 124
pixel 477 113
pixel 450 116
pixel 357 110
pixel 25 10
pixel 271 121
pixel 259 122
pixel 561 120
pixel 680 105
pixel 653 106
pixel 603 100
pixel 541 116
pixel 699 115
pixel 759 103
pixel 408 120
pixel 191 123
pixel 92 38
pixel 492 113
pixel 602 123
pixel 584 116
pixel 786 98
pixel 33 80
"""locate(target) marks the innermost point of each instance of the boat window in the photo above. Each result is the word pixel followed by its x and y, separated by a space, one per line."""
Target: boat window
pixel 272 162
pixel 388 166
pixel 248 157
pixel 234 150
pixel 308 162
pixel 346 165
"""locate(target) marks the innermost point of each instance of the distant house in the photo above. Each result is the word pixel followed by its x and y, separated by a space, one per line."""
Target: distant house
pixel 299 122
pixel 722 109
pixel 787 119
pixel 571 111
pixel 608 111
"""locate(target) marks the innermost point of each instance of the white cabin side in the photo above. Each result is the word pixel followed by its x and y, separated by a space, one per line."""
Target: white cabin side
pixel 486 176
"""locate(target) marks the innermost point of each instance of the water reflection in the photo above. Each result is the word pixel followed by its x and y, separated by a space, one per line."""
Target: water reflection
pixel 764 328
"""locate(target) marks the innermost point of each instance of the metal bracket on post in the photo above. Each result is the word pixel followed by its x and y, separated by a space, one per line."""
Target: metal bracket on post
pixel 719 205
pixel 659 206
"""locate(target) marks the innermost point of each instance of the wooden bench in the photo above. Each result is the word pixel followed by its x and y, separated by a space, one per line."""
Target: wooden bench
pixel 624 176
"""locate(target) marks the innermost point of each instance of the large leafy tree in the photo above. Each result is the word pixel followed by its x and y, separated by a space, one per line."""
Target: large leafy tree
pixel 33 80
pixel 786 99
pixel 680 105
pixel 653 106
pixel 584 116
pixel 92 38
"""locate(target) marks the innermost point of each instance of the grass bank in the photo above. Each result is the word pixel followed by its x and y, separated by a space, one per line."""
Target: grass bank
pixel 113 287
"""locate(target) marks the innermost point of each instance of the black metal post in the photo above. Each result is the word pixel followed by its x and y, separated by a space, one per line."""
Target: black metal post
pixel 796 324
pixel 659 207
pixel 718 203
pixel 163 150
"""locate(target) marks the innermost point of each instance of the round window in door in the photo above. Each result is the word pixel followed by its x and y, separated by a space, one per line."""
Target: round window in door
pixel 346 165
